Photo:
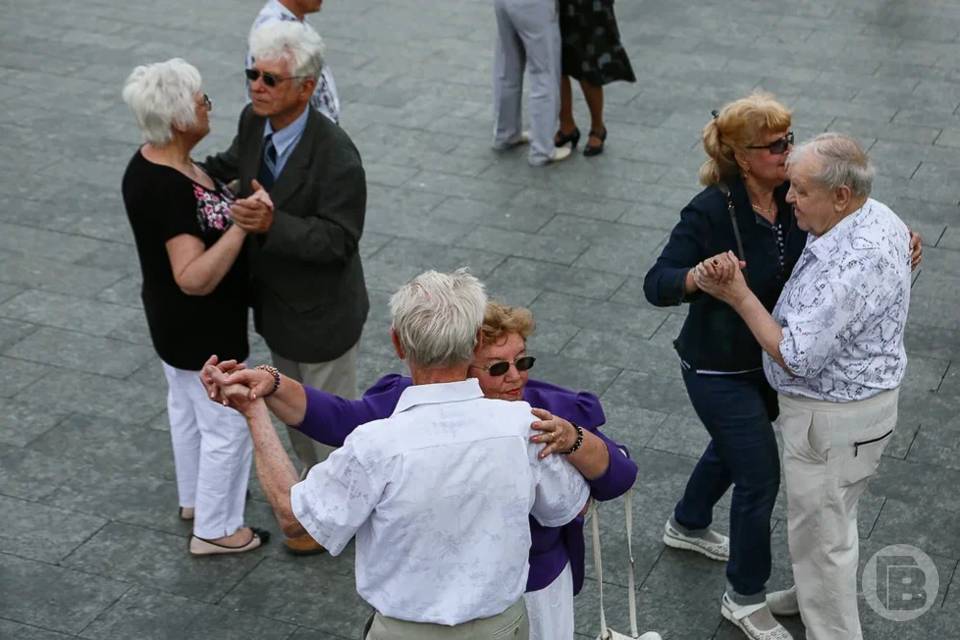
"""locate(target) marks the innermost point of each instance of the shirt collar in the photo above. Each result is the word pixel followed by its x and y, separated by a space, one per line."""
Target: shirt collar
pixel 440 392
pixel 823 246
pixel 282 10
pixel 289 134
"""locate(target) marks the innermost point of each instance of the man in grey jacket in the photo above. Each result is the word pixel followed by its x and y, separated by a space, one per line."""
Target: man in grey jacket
pixel 309 297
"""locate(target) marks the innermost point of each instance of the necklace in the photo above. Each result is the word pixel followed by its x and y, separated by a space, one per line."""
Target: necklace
pixel 761 210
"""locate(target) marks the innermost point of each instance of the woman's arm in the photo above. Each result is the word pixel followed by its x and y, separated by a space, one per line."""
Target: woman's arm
pixel 198 271
pixel 669 281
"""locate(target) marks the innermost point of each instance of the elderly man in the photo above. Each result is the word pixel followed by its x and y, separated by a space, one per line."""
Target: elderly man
pixel 324 98
pixel 438 494
pixel 309 297
pixel 834 352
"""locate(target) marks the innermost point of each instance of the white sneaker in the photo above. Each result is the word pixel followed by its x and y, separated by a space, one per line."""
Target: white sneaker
pixel 784 603
pixel 520 139
pixel 739 616
pixel 559 153
pixel 713 545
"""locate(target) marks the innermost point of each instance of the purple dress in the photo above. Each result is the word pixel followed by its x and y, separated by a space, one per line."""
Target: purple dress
pixel 330 419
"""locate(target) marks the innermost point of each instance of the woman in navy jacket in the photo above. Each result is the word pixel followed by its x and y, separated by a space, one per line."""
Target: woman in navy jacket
pixel 741 209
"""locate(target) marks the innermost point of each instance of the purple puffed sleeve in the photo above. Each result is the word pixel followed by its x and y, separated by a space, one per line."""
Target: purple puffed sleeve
pixel 330 419
pixel 620 475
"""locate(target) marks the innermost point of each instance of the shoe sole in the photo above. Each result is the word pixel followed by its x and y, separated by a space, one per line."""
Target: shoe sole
pixel 688 546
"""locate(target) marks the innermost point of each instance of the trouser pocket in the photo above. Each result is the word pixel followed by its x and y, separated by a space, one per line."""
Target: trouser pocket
pixel 862 456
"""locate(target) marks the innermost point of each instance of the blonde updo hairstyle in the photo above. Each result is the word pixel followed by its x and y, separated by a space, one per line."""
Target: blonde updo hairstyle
pixel 739 124
pixel 500 320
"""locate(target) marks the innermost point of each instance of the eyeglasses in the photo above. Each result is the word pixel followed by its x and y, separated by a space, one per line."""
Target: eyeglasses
pixel 500 368
pixel 268 78
pixel 207 102
pixel 778 146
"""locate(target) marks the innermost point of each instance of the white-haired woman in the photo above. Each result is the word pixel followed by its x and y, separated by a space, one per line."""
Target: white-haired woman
pixel 193 295
pixel 833 350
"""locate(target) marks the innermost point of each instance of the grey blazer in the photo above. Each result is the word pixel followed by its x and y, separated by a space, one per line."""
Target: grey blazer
pixel 309 296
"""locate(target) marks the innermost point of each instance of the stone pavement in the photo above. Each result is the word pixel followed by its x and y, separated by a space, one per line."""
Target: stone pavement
pixel 91 546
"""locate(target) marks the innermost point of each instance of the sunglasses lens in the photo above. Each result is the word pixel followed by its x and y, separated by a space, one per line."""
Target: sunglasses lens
pixel 499 368
pixel 525 363
pixel 268 79
pixel 252 74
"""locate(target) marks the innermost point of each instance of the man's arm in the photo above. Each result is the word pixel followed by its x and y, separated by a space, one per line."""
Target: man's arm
pixel 274 469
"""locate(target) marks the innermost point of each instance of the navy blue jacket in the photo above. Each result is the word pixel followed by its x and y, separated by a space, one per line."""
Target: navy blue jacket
pixel 713 336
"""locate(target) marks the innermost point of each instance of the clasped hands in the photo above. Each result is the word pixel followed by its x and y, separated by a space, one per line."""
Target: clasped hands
pixel 253 214
pixel 233 385
pixel 721 276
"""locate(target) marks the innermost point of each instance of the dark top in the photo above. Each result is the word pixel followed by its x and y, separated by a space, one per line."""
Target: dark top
pixel 330 419
pixel 713 336
pixel 309 296
pixel 162 203
pixel 590 43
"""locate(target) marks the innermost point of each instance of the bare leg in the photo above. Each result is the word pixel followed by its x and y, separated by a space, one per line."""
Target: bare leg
pixel 567 123
pixel 593 94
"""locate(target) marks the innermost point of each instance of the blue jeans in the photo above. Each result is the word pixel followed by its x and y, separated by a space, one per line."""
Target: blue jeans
pixel 737 411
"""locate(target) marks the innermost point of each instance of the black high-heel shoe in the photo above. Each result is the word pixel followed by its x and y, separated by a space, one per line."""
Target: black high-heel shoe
pixel 561 138
pixel 591 150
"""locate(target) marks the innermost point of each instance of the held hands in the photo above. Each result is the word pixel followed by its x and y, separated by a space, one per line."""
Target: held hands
pixel 559 434
pixel 233 385
pixel 253 214
pixel 721 277
pixel 916 250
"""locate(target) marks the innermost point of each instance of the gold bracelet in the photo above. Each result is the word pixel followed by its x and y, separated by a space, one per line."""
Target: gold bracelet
pixel 276 377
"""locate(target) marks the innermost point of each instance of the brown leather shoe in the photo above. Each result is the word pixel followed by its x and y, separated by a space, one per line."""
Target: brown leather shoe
pixel 303 546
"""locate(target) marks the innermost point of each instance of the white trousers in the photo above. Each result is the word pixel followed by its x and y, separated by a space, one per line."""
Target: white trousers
pixel 212 452
pixel 830 451
pixel 338 377
pixel 550 610
pixel 528 37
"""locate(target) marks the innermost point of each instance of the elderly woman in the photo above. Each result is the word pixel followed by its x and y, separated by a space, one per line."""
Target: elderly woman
pixel 833 350
pixel 194 298
pixel 502 368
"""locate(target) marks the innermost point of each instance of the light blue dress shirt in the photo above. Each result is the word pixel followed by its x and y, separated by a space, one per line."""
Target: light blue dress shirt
pixel 285 140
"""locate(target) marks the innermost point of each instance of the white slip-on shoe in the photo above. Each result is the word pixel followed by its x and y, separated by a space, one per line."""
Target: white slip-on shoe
pixel 518 140
pixel 739 616
pixel 713 545
pixel 784 603
pixel 203 547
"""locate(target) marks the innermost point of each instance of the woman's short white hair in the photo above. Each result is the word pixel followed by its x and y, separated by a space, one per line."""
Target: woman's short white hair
pixel 162 95
pixel 437 317
pixel 293 41
pixel 842 162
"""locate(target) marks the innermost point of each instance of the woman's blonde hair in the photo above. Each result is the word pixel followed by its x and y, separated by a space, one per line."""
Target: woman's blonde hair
pixel 500 319
pixel 737 125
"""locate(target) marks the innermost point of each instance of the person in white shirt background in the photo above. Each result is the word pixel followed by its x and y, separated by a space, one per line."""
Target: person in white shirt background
pixel 438 495
pixel 325 98
pixel 834 352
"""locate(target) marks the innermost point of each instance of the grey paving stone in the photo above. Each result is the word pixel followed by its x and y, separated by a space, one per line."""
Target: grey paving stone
pixel 513 217
pixel 126 402
pixel 81 352
pixel 525 245
pixel 648 391
pixel 933 531
pixel 67 312
pixel 110 445
pixel 148 614
pixel 576 374
pixel 551 277
pixel 304 595
pixel 423 255
pixel 626 352
pixel 54 598
pixel 22 423
pixel 50 275
pixel 10 629
pixel 602 316
pixel 682 435
pixel 125 291
pixel 63 531
pixel 17 375
pixel 160 561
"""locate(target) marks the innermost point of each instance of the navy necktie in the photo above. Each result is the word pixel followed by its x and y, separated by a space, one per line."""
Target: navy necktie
pixel 268 163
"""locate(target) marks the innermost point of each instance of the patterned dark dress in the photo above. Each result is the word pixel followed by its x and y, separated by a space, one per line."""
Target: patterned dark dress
pixel 591 43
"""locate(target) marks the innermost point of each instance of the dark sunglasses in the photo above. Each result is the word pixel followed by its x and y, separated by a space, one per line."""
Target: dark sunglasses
pixel 500 368
pixel 268 78
pixel 207 102
pixel 778 146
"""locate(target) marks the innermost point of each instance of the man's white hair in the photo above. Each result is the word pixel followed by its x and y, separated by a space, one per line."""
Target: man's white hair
pixel 292 41
pixel 437 317
pixel 842 162
pixel 162 95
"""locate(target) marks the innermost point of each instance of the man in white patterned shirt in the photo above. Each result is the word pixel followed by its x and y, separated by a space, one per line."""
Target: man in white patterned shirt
pixel 438 495
pixel 834 352
pixel 325 98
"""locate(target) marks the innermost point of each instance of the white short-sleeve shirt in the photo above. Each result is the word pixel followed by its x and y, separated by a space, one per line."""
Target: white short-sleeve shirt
pixel 438 496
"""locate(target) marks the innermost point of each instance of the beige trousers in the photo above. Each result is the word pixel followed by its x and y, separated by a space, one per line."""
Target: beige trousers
pixel 338 377
pixel 512 624
pixel 830 451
